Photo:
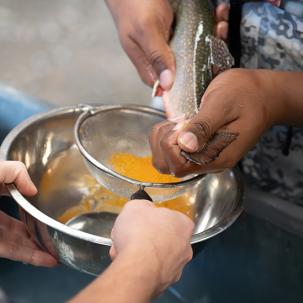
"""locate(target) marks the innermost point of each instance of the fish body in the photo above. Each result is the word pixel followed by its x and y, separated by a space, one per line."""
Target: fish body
pixel 196 51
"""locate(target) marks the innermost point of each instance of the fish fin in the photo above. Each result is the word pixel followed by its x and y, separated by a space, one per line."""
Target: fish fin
pixel 220 57
pixel 212 149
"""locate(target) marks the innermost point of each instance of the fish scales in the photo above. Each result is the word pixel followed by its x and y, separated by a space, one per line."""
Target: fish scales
pixel 194 22
pixel 196 51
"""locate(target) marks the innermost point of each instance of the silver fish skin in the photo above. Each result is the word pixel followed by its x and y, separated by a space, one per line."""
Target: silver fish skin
pixel 196 51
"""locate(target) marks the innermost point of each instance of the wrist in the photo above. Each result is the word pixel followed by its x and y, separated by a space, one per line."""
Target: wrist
pixel 268 88
pixel 282 95
pixel 141 267
pixel 289 92
pixel 128 279
pixel 275 99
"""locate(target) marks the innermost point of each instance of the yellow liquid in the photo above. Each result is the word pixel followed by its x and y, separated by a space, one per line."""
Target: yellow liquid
pixel 69 166
pixel 139 168
pixel 101 199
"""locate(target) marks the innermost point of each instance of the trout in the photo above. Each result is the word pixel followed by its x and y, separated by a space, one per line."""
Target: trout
pixel 197 52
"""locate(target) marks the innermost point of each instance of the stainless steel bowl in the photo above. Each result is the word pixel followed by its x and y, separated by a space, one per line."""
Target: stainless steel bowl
pixel 43 143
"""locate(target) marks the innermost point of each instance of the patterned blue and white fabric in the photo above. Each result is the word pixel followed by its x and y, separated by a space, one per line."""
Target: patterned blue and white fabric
pixel 272 38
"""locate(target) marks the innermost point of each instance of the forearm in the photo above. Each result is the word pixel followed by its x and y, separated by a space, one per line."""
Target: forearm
pixel 127 280
pixel 284 95
pixel 290 86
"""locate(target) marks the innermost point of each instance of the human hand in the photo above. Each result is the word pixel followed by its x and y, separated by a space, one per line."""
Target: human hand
pixel 15 242
pixel 241 102
pixel 16 172
pixel 145 28
pixel 157 238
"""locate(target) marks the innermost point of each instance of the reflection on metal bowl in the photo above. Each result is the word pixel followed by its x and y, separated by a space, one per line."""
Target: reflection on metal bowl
pixel 45 143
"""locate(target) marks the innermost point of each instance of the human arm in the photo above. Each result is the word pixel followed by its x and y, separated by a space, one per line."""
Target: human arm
pixel 239 101
pixel 150 248
pixel 15 242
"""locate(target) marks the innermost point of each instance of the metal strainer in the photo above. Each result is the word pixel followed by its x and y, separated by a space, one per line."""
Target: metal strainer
pixel 102 131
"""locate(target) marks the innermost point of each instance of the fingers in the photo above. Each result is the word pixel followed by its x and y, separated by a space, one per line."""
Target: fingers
pixel 171 152
pixel 156 138
pixel 195 134
pixel 16 172
pixel 213 148
pixel 16 244
pixel 160 56
pixel 222 30
pixel 137 203
pixel 140 61
pixel 222 16
pixel 223 153
pixel 17 251
pixel 153 61
pixel 13 225
pixel 177 165
pixel 152 57
pixel 201 128
pixel 144 29
pixel 112 252
pixel 222 12
pixel 166 152
pixel 7 235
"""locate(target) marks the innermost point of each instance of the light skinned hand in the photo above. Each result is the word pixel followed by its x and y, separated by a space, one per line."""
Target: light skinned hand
pixel 145 28
pixel 15 241
pixel 158 238
pixel 239 101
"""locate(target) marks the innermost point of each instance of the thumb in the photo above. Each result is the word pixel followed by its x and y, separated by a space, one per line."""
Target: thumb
pixel 112 252
pixel 198 131
pixel 161 57
pixel 16 172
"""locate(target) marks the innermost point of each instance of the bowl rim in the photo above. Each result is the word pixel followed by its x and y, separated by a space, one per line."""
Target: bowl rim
pixel 56 225
pixel 21 200
pixel 93 111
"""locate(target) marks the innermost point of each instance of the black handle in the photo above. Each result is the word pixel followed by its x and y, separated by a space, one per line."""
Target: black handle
pixel 141 194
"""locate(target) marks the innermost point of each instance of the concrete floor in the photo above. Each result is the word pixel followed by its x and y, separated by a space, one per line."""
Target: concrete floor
pixel 66 52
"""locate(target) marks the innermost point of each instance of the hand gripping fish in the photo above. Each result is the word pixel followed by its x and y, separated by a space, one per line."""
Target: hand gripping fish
pixel 197 53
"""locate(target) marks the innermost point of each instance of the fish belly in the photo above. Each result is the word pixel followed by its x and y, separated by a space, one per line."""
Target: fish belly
pixel 194 22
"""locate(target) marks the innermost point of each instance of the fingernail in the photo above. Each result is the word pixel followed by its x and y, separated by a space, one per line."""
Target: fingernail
pixel 189 140
pixel 166 79
pixel 33 189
